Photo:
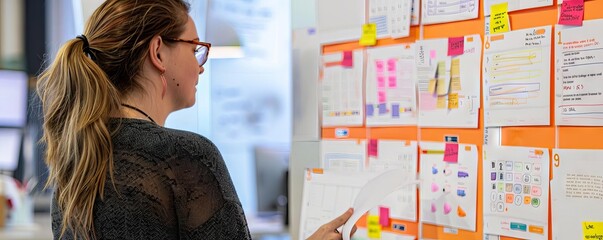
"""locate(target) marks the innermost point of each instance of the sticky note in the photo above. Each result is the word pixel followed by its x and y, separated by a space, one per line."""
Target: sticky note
pixel 370 110
pixel 379 66
pixel 348 59
pixel 592 230
pixel 431 88
pixel 572 12
pixel 369 34
pixel 453 101
pixel 456 46
pixel 382 96
pixel 499 18
pixel 384 216
pixel 391 64
pixel 451 152
pixel 428 101
pixel 372 148
pixel 432 54
pixel 442 102
pixel 455 75
pixel 373 226
pixel 382 108
pixel 396 110
pixel 380 81
pixel 392 81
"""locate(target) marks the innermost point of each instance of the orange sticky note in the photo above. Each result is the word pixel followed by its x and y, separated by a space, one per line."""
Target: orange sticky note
pixel 499 18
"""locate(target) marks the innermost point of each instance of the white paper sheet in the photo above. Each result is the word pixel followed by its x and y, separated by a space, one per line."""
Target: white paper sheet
pixel 440 11
pixel 330 193
pixel 390 86
pixel 395 154
pixel 392 17
pixel 339 20
pixel 516 191
pixel 342 91
pixel 460 81
pixel 576 191
pixel 373 193
pixel 515 5
pixel 578 74
pixel 517 78
pixel 343 155
pixel 448 190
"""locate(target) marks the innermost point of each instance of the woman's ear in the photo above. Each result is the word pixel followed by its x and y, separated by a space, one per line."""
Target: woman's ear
pixel 156 47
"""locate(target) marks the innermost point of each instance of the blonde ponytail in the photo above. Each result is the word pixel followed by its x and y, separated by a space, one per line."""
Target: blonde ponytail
pixel 77 97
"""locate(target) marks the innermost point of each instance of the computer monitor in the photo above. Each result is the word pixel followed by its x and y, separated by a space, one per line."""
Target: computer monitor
pixel 272 165
pixel 13 98
pixel 10 148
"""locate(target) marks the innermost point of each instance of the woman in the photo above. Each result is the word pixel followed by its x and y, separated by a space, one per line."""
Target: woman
pixel 117 173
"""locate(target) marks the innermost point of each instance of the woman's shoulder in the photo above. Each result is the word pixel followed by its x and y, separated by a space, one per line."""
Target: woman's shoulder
pixel 141 134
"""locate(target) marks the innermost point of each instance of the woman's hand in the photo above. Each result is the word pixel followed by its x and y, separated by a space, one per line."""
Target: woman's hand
pixel 329 230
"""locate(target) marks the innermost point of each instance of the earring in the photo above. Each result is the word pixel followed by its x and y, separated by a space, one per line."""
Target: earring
pixel 164 86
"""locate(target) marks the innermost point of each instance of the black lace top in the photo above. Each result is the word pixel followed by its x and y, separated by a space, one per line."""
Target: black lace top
pixel 170 185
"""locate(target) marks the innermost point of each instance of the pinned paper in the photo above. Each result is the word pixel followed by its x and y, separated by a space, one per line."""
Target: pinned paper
pixel 456 46
pixel 451 152
pixel 384 216
pixel 592 230
pixel 373 147
pixel 499 18
pixel 572 12
pixel 369 34
pixel 373 226
pixel 348 59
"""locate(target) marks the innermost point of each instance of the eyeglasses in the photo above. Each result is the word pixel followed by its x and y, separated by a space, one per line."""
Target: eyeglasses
pixel 201 51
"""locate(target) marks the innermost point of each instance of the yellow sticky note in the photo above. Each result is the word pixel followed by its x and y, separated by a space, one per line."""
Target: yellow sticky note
pixel 592 230
pixel 499 18
pixel 369 34
pixel 432 86
pixel 442 102
pixel 453 101
pixel 373 227
pixel 455 75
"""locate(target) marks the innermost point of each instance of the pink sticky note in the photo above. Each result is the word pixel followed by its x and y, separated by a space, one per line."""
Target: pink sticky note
pixel 393 81
pixel 451 153
pixel 428 101
pixel 433 207
pixel 380 81
pixel 384 216
pixel 447 208
pixel 391 65
pixel 456 46
pixel 348 59
pixel 432 54
pixel 372 148
pixel 379 66
pixel 382 96
pixel 572 12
